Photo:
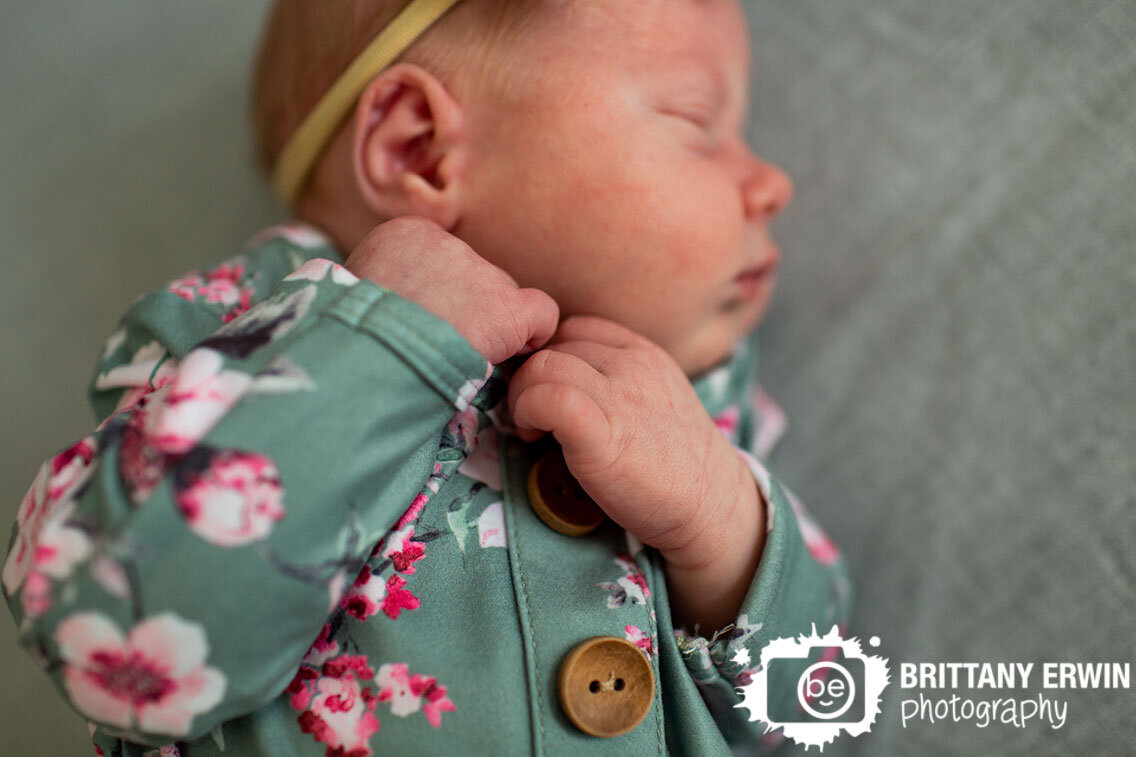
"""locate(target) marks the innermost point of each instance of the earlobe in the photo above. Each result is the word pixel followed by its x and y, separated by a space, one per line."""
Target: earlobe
pixel 408 145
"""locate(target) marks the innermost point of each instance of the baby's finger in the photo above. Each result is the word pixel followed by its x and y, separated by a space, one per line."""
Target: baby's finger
pixel 552 366
pixel 542 316
pixel 593 328
pixel 600 356
pixel 571 415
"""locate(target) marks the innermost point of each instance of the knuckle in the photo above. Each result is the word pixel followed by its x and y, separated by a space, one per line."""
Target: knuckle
pixel 513 323
pixel 540 364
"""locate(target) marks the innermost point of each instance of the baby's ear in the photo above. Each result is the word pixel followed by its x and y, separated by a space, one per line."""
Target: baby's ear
pixel 409 146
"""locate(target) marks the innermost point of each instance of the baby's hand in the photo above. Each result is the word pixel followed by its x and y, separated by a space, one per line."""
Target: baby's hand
pixel 420 261
pixel 635 436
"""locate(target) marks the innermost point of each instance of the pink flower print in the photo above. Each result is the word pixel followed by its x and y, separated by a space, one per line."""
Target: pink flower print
pixel 47 546
pixel 635 635
pixel 336 707
pixel 482 463
pixel 436 700
pixel 302 687
pixel 491 526
pixel 397 598
pixel 631 587
pixel 335 589
pixel 463 427
pixel 110 575
pixel 169 750
pixel 394 687
pixel 71 468
pixel 155 678
pixel 29 516
pixel 201 395
pixel 141 464
pixel 745 676
pixel 727 420
pixel 363 599
pixel 220 285
pixel 150 369
pixel 411 513
pixel 402 551
pixel 244 302
pixel 764 484
pixel 322 649
pixel 406 693
pixel 822 549
pixel 236 499
pixel 59 548
pixel 35 599
pixel 298 233
pixel 771 422
pixel 186 286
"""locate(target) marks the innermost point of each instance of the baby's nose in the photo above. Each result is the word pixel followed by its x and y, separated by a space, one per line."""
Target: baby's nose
pixel 768 191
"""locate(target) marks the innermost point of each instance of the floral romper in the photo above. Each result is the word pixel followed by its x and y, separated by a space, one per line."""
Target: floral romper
pixel 302 528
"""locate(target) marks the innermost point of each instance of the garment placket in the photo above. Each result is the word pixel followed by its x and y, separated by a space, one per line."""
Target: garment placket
pixel 555 581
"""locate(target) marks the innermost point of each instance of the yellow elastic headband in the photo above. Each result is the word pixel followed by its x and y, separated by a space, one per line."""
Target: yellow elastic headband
pixel 309 139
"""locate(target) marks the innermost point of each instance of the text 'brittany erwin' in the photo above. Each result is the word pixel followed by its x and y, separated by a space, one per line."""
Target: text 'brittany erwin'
pixel 1010 675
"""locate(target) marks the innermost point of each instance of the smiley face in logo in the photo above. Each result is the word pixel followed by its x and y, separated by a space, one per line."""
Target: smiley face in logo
pixel 826 690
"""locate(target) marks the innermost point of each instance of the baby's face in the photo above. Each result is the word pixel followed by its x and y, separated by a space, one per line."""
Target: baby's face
pixel 619 180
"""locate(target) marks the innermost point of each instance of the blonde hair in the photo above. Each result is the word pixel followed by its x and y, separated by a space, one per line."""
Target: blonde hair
pixel 306 44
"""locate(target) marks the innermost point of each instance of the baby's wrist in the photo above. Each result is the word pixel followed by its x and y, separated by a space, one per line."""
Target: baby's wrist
pixel 708 581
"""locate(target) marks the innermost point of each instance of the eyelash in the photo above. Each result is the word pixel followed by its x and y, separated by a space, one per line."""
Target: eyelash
pixel 700 120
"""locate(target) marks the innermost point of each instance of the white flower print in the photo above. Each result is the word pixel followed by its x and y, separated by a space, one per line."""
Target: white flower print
pixel 113 342
pixel 155 678
pixel 317 269
pixel 201 395
pixel 281 374
pixel 410 693
pixel 336 706
pixel 110 576
pixel 233 499
pixel 47 546
pixel 631 587
pixel 491 526
pixel 648 643
pixel 299 233
pixel 822 549
pixel 139 375
pixel 770 422
pixel 482 462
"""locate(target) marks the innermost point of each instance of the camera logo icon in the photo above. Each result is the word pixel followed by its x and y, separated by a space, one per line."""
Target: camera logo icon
pixel 816 687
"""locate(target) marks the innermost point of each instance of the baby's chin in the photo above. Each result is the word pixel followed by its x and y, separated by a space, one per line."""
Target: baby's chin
pixel 716 344
pixel 706 357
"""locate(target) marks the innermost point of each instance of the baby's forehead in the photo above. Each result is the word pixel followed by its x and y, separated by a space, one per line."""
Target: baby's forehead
pixel 702 40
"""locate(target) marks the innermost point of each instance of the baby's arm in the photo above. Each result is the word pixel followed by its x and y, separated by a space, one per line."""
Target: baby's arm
pixel 801 580
pixel 171 569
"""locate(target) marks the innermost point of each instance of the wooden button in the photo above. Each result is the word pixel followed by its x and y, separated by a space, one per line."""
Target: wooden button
pixel 606 686
pixel 559 500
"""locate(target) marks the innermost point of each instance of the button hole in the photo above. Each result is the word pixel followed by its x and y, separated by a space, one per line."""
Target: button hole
pixel 594 686
pixel 619 684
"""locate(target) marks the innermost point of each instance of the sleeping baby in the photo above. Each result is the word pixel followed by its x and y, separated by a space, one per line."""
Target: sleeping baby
pixel 467 457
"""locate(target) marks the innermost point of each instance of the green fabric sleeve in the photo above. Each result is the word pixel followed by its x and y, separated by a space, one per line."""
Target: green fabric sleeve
pixel 801 580
pixel 171 569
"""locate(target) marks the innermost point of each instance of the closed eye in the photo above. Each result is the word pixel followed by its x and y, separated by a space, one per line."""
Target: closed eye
pixel 701 120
